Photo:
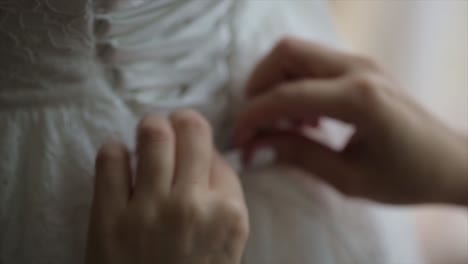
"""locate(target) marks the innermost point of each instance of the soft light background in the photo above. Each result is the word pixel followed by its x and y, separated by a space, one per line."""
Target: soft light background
pixel 424 44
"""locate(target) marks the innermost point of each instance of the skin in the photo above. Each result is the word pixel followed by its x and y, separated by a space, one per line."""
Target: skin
pixel 399 154
pixel 186 205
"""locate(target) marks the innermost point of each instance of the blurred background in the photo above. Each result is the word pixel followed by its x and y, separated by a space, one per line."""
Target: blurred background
pixel 424 43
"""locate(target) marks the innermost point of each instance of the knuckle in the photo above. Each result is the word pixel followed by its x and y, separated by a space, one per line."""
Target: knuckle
pixel 236 217
pixel 190 120
pixel 154 128
pixel 288 91
pixel 282 92
pixel 186 210
pixel 365 90
pixel 365 62
pixel 363 83
pixel 284 45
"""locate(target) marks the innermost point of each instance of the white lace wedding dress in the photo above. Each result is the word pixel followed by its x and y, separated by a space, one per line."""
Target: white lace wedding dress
pixel 74 72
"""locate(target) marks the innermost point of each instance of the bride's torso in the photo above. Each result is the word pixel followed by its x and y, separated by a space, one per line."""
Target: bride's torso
pixel 112 61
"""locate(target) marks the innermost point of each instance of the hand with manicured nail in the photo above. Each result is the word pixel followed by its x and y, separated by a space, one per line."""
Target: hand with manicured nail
pixel 186 205
pixel 399 152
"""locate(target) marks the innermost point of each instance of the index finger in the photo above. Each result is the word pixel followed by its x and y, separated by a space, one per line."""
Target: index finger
pixel 113 180
pixel 194 150
pixel 295 101
pixel 293 58
pixel 156 155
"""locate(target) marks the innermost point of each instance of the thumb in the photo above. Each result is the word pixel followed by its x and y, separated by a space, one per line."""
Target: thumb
pixel 297 150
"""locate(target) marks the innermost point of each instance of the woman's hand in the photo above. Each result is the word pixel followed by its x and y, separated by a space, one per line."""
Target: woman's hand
pixel 186 205
pixel 399 152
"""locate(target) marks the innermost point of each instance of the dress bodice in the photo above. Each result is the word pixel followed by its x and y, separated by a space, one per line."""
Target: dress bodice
pixel 163 53
pixel 73 72
pixel 43 43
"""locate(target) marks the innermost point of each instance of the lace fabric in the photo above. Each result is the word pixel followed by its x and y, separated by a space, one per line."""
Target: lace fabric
pixel 43 43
